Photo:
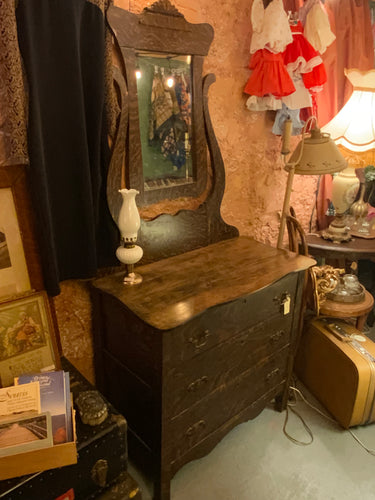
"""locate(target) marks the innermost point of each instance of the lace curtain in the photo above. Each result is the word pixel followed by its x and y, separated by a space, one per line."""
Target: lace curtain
pixel 13 106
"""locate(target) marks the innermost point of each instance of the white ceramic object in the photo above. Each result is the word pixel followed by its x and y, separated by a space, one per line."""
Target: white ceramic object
pixel 129 220
pixel 129 223
pixel 345 187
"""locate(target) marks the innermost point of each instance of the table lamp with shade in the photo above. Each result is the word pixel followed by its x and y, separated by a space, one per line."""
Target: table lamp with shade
pixel 353 130
pixel 315 154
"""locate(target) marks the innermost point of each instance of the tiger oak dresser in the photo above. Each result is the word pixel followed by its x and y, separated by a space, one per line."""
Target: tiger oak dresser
pixel 205 342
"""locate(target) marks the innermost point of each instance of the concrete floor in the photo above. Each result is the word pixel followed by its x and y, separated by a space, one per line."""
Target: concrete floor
pixel 256 461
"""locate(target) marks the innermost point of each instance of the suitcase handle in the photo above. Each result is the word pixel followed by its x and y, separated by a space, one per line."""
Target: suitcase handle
pixel 339 333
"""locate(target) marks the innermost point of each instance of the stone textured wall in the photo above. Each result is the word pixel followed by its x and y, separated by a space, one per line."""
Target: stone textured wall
pixel 255 179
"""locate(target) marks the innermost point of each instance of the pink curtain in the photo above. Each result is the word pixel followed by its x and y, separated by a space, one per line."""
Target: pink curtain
pixel 292 5
pixel 353 48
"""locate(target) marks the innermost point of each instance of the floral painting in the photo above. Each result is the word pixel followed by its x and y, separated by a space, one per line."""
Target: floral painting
pixel 26 337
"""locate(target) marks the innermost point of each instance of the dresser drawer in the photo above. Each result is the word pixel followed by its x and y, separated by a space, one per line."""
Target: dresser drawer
pixel 193 425
pixel 221 322
pixel 189 381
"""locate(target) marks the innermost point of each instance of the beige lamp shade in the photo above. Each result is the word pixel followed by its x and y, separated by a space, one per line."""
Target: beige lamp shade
pixel 317 154
pixel 354 126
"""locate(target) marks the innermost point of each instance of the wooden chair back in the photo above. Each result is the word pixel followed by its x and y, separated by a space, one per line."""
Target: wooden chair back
pixel 296 235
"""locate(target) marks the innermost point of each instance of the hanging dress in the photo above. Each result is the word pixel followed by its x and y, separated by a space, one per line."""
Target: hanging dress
pixel 305 9
pixel 317 29
pixel 183 99
pixel 270 25
pixel 306 68
pixel 161 106
pixel 269 75
pixel 282 115
pixel 300 55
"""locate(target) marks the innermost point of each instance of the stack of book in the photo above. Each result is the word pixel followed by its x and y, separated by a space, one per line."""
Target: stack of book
pixel 35 413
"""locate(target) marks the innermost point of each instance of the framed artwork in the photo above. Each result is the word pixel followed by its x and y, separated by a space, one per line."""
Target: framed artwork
pixel 19 262
pixel 27 337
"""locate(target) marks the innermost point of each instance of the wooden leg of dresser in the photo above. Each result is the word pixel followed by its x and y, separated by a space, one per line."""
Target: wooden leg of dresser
pixel 281 400
pixel 162 489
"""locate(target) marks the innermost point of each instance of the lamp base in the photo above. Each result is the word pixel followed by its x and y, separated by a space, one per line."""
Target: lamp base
pixel 338 231
pixel 132 279
pixel 129 255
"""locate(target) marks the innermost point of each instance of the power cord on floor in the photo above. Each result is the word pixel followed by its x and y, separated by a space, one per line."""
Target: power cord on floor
pixel 290 407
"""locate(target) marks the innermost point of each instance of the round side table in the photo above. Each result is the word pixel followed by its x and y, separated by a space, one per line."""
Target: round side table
pixel 341 254
pixel 358 310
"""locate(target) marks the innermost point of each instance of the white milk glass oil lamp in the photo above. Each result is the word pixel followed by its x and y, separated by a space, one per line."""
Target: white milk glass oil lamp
pixel 129 223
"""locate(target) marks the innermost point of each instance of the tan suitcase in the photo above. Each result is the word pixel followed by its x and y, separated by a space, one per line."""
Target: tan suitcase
pixel 336 362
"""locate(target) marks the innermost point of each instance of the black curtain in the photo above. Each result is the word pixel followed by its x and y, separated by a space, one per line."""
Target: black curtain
pixel 62 43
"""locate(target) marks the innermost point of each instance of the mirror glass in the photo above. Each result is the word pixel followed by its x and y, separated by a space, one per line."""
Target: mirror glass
pixel 164 87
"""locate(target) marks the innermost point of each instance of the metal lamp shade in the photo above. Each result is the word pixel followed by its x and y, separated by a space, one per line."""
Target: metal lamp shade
pixel 320 155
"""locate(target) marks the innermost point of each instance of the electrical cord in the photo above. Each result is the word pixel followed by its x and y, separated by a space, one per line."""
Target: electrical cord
pixel 294 391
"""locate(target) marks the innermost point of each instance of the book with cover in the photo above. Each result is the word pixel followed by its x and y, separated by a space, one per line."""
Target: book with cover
pixel 69 404
pixel 15 400
pixel 53 400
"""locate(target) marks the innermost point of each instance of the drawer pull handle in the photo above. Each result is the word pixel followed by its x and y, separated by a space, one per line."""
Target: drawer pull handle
pixel 284 303
pixel 199 426
pixel 277 336
pixel 197 384
pixel 272 374
pixel 200 340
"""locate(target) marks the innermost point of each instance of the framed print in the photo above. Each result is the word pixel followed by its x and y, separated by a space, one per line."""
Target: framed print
pixel 19 262
pixel 14 276
pixel 27 338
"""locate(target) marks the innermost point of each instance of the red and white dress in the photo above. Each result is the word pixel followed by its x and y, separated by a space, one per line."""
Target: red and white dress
pixel 305 67
pixel 269 75
pixel 300 55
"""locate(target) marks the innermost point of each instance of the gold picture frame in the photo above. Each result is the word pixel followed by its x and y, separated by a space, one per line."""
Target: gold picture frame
pixel 20 269
pixel 14 276
pixel 27 337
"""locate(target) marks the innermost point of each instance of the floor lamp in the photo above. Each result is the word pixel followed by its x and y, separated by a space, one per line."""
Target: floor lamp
pixel 315 154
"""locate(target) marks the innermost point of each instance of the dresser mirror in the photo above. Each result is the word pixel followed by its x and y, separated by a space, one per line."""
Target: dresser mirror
pixel 165 120
pixel 165 146
pixel 160 87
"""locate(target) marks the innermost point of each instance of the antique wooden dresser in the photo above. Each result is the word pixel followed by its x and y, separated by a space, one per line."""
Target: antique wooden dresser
pixel 208 338
pixel 202 344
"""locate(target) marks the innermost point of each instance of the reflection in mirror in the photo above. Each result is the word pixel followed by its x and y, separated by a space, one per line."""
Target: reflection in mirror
pixel 165 118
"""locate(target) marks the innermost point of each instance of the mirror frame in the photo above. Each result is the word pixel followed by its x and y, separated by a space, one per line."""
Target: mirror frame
pixel 161 29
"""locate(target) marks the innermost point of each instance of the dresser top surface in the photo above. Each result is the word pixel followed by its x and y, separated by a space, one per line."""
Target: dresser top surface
pixel 176 289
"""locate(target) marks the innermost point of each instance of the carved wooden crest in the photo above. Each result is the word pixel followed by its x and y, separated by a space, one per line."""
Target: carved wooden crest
pixel 163 7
